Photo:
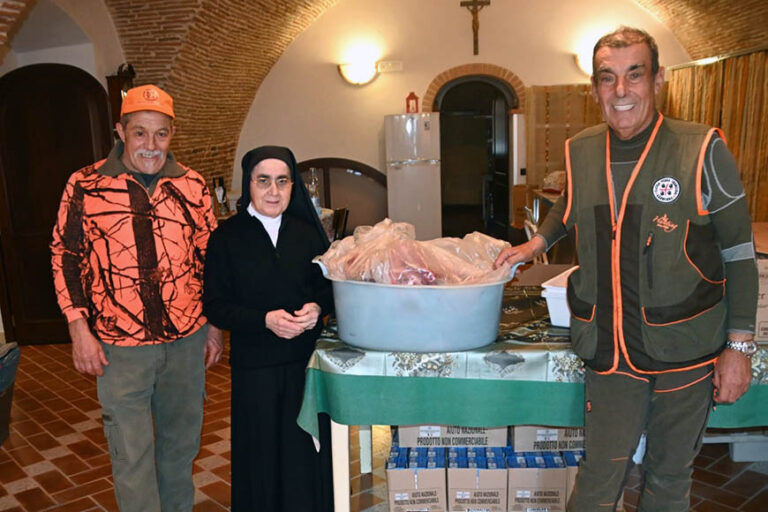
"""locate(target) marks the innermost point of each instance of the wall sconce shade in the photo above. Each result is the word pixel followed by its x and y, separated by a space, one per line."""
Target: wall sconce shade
pixel 358 73
pixel 584 62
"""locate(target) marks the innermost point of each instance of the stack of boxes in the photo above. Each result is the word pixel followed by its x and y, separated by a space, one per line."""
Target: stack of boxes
pixel 760 230
pixel 431 468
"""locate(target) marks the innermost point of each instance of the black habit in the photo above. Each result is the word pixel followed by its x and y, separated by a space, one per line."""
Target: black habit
pixel 274 463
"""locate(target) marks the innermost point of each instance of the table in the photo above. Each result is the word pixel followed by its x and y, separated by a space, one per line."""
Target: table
pixel 528 376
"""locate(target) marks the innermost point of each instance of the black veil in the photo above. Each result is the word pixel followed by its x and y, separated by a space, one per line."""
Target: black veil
pixel 300 204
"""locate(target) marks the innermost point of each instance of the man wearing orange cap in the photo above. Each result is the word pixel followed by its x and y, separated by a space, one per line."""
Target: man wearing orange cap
pixel 127 256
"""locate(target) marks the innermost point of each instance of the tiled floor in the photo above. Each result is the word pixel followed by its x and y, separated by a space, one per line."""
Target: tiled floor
pixel 56 457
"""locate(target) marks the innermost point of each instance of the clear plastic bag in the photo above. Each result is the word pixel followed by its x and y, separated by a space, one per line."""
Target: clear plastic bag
pixel 388 253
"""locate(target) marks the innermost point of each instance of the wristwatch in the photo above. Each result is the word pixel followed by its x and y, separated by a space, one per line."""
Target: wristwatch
pixel 748 348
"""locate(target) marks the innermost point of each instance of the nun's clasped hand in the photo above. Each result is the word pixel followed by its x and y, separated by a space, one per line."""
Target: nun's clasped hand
pixel 288 326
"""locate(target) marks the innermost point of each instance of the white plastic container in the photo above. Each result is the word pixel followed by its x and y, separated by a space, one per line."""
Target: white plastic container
pixel 404 318
pixel 554 292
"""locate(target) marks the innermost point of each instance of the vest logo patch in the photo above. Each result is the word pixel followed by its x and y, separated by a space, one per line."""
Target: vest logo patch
pixel 664 223
pixel 666 189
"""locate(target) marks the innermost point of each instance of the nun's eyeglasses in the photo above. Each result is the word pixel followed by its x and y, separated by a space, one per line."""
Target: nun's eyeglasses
pixel 265 182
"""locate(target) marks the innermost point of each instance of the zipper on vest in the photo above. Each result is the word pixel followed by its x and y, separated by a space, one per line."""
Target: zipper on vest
pixel 647 250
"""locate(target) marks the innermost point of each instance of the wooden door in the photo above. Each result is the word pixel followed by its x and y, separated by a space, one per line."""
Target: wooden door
pixel 54 120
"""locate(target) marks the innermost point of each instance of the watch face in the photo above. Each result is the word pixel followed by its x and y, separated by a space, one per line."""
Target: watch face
pixel 750 348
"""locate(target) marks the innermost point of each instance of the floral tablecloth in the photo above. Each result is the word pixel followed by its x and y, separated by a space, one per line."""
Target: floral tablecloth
pixel 528 376
pixel 528 348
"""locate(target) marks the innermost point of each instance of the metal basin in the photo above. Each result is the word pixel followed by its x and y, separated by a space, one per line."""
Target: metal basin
pixel 402 318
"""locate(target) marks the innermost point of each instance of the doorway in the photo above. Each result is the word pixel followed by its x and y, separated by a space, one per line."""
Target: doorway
pixel 475 155
pixel 54 119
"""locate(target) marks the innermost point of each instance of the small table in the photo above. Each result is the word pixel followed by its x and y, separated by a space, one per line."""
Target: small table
pixel 528 376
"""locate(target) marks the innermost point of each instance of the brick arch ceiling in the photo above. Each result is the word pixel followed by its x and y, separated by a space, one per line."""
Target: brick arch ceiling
pixel 211 56
pixel 12 15
pixel 707 28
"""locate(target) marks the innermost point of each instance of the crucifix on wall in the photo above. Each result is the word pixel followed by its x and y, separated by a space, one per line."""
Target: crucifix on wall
pixel 475 6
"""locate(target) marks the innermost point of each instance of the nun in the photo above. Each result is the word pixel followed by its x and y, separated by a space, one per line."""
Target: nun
pixel 261 285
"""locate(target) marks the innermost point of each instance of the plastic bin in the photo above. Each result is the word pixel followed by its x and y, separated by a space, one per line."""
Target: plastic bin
pixel 557 305
pixel 417 318
pixel 9 361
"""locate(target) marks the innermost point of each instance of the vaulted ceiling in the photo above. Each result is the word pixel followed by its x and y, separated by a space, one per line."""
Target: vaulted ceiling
pixel 707 28
pixel 213 55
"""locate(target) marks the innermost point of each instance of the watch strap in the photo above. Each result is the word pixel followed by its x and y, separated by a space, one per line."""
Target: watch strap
pixel 748 348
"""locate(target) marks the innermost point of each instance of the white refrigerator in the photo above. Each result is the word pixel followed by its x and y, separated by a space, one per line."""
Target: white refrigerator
pixel 412 144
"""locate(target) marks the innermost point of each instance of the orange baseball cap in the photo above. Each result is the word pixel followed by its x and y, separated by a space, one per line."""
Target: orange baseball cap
pixel 147 97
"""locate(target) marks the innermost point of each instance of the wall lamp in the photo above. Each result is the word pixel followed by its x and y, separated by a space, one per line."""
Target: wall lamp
pixel 358 73
pixel 363 72
pixel 584 61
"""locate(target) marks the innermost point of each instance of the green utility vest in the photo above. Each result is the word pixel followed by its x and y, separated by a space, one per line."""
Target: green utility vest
pixel 650 283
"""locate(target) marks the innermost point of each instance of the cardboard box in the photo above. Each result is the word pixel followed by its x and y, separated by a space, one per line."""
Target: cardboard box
pixel 416 489
pixel 761 321
pixel 528 438
pixel 475 489
pixel 519 202
pixel 451 435
pixel 760 230
pixel 536 487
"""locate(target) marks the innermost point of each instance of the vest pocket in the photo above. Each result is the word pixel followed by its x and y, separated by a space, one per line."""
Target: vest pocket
pixel 704 297
pixel 693 338
pixel 583 325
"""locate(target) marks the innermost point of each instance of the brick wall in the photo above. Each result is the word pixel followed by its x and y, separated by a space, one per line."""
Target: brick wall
pixel 493 70
pixel 211 56
pixel 707 28
pixel 12 15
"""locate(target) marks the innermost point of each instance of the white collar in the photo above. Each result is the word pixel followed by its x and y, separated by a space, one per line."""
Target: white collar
pixel 271 224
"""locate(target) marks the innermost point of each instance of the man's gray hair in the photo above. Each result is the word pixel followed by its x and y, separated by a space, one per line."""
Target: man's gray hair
pixel 627 36
pixel 124 120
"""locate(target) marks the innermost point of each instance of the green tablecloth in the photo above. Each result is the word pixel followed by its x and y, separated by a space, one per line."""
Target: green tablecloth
pixel 528 376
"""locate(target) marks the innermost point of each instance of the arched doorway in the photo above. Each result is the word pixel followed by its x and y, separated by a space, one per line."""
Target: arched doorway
pixel 475 154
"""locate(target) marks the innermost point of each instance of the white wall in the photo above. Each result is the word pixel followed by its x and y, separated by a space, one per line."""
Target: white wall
pixel 80 55
pixel 100 57
pixel 93 18
pixel 304 104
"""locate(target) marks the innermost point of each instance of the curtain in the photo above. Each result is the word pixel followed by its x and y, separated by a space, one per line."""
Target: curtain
pixel 731 94
pixel 695 93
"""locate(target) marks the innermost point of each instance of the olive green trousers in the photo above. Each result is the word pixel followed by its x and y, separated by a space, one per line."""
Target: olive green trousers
pixel 672 409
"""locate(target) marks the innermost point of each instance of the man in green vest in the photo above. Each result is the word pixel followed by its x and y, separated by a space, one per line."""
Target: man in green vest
pixel 663 303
